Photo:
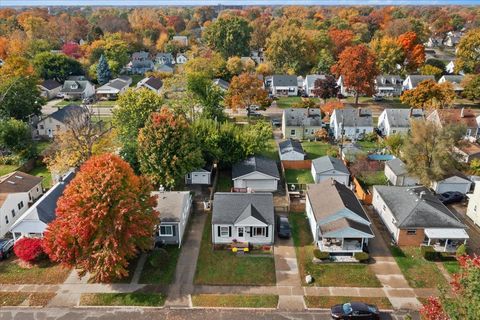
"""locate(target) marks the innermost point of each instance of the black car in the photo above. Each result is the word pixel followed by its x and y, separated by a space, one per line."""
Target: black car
pixel 451 197
pixel 355 310
pixel 283 228
pixel 6 248
pixel 276 122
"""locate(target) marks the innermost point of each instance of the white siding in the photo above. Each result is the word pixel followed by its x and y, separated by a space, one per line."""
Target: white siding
pixel 445 186
pixel 256 181
pixel 311 219
pixel 338 176
pixel 246 238
pixel 49 127
pixel 473 209
pixel 12 202
pixel 385 214
pixel 292 156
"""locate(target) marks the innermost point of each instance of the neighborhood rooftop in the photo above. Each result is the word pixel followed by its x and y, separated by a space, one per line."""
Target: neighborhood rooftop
pixel 18 181
pixel 402 117
pixel 256 164
pixel 229 207
pixel 327 163
pixel 297 117
pixel 290 145
pixel 284 81
pixel 170 204
pixel 63 114
pixel 397 166
pixel 354 117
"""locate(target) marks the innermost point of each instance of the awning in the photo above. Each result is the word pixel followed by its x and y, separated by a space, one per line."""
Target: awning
pixel 446 233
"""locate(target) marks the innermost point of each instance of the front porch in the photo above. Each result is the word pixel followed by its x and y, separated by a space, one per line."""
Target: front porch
pixel 342 245
pixel 445 240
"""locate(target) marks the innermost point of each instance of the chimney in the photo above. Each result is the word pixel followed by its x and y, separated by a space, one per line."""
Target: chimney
pixel 462 115
pixel 161 189
pixel 422 194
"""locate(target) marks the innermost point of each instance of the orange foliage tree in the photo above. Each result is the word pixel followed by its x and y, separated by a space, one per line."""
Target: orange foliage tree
pixel 245 90
pixel 413 50
pixel 103 218
pixel 340 39
pixel 328 108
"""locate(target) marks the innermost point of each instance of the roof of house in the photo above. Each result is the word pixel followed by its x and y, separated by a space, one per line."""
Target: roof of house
pixel 63 114
pixel 221 83
pixel 397 166
pixel 389 80
pixel 311 78
pixel 18 181
pixel 298 117
pixel 345 227
pixel 154 83
pixel 456 177
pixel 354 117
pixel 454 116
pixel 400 118
pixel 255 164
pixel 453 78
pixel 170 204
pixel 75 86
pixel 125 78
pixel 232 207
pixel 415 79
pixel 470 148
pixel 417 207
pixel 284 81
pixel 50 84
pixel 327 163
pixel 115 84
pixel 290 145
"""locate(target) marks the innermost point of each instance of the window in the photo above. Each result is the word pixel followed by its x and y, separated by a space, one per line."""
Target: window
pixel 41 127
pixel 259 232
pixel 384 208
pixel 13 214
pixel 475 208
pixel 224 231
pixel 20 205
pixel 166 231
pixel 240 231
pixel 292 132
pixel 357 130
pixel 411 232
pixel 6 220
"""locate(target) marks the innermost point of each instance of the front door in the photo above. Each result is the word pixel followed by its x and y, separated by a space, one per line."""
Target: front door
pixel 241 234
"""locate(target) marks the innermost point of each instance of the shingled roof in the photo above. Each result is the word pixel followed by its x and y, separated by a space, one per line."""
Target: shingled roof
pixel 291 145
pixel 255 164
pixel 232 207
pixel 18 181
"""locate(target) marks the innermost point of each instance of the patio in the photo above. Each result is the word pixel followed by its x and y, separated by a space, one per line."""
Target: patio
pixel 445 240
pixel 341 245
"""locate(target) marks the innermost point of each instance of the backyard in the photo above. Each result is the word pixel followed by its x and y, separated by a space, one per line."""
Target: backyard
pixel 222 267
pixel 369 179
pixel 317 149
pixel 224 183
pixel 6 168
pixel 41 170
pixel 271 150
pixel 326 274
pixel 287 102
pixel 301 176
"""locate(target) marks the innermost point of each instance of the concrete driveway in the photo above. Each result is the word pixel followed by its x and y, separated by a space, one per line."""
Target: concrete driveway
pixel 473 231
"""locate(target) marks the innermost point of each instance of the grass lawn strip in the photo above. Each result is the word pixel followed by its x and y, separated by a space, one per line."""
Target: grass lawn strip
pixel 8 299
pixel 164 272
pixel 452 266
pixel 235 301
pixel 6 168
pixel 327 302
pixel 139 299
pixel 222 267
pixel 317 149
pixel 302 176
pixel 42 171
pixel 40 299
pixel 287 102
pixel 45 272
pixel 326 274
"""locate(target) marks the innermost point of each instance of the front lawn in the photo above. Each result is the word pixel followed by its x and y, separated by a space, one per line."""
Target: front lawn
pixel 106 103
pixel 224 183
pixel 369 145
pixel 160 266
pixel 139 299
pixel 235 301
pixel 327 302
pixel 452 266
pixel 288 102
pixel 302 176
pixel 45 272
pixel 222 267
pixel 317 149
pixel 419 272
pixel 326 274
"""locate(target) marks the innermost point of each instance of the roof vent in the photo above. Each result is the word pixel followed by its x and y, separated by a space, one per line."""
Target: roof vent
pixel 11 182
pixel 161 188
pixel 19 177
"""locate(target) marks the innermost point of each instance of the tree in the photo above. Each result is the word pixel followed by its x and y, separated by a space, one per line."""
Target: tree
pixel 16 137
pixel 72 49
pixel 104 217
pixel 322 134
pixel 430 70
pixel 341 39
pixel 467 53
pixel 330 106
pixel 115 49
pixel 389 54
pixel 28 250
pixel 429 95
pixel 325 88
pixel 358 69
pixel 229 36
pixel 245 90
pixel 428 151
pixel 209 96
pixel 394 143
pixel 56 66
pixel 436 63
pixel 234 65
pixel 413 50
pixel 325 62
pixel 134 108
pixel 471 87
pixel 19 98
pixel 103 71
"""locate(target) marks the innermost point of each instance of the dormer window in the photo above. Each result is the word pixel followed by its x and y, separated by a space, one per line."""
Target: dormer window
pixel 74 86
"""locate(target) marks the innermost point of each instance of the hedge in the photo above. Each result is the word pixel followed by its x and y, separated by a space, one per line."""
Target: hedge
pixel 361 256
pixel 322 255
pixel 429 253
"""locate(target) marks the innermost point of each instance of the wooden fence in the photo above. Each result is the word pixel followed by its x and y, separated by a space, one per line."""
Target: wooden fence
pixel 364 195
pixel 296 164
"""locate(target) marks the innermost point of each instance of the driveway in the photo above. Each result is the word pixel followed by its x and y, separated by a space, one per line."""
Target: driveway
pixel 473 231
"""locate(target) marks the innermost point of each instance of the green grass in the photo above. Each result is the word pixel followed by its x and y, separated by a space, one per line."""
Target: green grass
pixel 369 145
pixel 317 149
pixel 63 103
pixel 326 274
pixel 136 79
pixel 123 299
pixel 44 272
pixel 42 171
pixel 222 267
pixel 452 266
pixel 419 272
pixel 164 271
pixel 302 176
pixel 224 183
pixel 327 302
pixel 235 301
pixel 6 168
pixel 372 178
pixel 42 146
pixel 288 102
pixel 271 151
pixel 105 103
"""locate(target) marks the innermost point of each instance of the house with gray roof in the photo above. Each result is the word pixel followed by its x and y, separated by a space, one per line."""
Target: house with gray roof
pixel 291 150
pixel 175 208
pixel 396 121
pixel 412 81
pixel 397 174
pixel 352 123
pixel 114 88
pixel 140 63
pixel 309 83
pixel 337 220
pixel 453 182
pixel 256 174
pixel 151 83
pixel 301 123
pixel 222 84
pixel 388 85
pixel 454 80
pixel 57 122
pixel 49 89
pixel 243 217
pixel 77 89
pixel 414 216
pixel 35 220
pixel 328 168
pixel 282 85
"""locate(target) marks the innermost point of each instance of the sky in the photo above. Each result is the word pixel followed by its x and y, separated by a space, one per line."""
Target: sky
pixel 7 3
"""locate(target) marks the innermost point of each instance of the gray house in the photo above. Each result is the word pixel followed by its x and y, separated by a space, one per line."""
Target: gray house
pixel 49 89
pixel 174 208
pixel 140 63
pixel 282 85
pixel 328 168
pixel 392 121
pixel 352 124
pixel 388 85
pixel 77 89
pixel 455 80
pixel 309 83
pixel 300 123
pixel 243 217
pixel 256 174
pixel 412 81
pixel 397 174
pixel 291 150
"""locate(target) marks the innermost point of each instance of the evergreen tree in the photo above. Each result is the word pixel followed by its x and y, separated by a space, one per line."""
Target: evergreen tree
pixel 103 71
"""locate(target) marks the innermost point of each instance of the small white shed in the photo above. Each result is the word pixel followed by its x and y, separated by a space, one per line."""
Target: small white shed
pixel 453 183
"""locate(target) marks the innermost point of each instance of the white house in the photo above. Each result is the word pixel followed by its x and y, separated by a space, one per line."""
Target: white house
pixel 77 89
pixel 151 83
pixel 174 208
pixel 337 220
pixel 34 221
pixel 328 168
pixel 57 122
pixel 18 190
pixel 473 209
pixel 301 123
pixel 397 174
pixel 450 67
pixel 181 58
pixel 394 121
pixel 200 176
pixel 388 85
pixel 114 88
pixel 282 85
pixel 454 80
pixel 256 174
pixel 291 150
pixel 309 83
pixel 243 218
pixel 412 81
pixel 353 124
pixel 455 182
pixel 49 89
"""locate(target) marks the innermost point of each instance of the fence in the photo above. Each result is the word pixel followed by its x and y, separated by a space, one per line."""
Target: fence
pixel 296 164
pixel 364 195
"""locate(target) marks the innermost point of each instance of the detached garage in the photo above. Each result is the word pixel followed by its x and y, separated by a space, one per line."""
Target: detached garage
pixel 457 182
pixel 256 174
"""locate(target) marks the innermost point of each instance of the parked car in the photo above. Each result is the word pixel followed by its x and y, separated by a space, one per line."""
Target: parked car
pixel 88 100
pixel 283 228
pixel 276 122
pixel 254 114
pixel 253 107
pixel 355 310
pixel 6 248
pixel 451 197
pixel 377 98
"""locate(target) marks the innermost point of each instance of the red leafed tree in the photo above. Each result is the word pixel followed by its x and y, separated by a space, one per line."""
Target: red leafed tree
pixel 357 67
pixel 413 49
pixel 104 217
pixel 340 40
pixel 28 249
pixel 72 49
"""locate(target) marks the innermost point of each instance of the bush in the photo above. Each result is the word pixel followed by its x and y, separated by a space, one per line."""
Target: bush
pixel 158 258
pixel 370 137
pixel 28 249
pixel 361 256
pixel 322 255
pixel 429 253
pixel 461 250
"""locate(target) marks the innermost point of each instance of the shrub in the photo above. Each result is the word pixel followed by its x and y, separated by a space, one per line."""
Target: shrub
pixel 322 255
pixel 158 258
pixel 28 249
pixel 461 250
pixel 429 253
pixel 361 256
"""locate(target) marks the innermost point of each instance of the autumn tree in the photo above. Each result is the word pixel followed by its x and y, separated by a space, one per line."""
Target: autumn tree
pixel 328 108
pixel 229 36
pixel 471 87
pixel 467 53
pixel 357 67
pixel 260 32
pixel 413 50
pixel 245 90
pixel 325 62
pixel 28 250
pixel 389 54
pixel 72 49
pixel 429 95
pixel 341 39
pixel 167 149
pixel 19 98
pixel 394 143
pixel 234 65
pixel 56 66
pixel 103 219
pixel 115 49
pixel 325 88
